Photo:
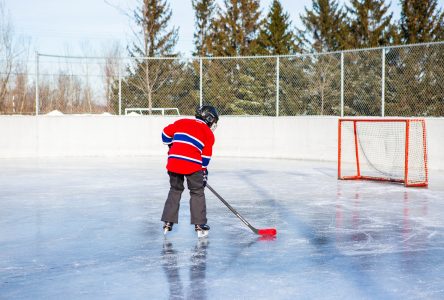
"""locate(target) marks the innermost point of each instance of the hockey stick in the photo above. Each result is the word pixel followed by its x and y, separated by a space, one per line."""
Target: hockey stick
pixel 263 232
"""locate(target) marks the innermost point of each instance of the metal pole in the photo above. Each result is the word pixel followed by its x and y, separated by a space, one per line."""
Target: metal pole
pixel 383 84
pixel 120 88
pixel 37 100
pixel 200 83
pixel 277 86
pixel 342 84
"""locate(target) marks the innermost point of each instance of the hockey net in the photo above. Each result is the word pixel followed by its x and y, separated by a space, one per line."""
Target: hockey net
pixel 383 149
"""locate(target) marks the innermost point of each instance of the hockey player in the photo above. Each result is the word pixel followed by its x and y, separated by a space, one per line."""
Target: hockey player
pixel 190 144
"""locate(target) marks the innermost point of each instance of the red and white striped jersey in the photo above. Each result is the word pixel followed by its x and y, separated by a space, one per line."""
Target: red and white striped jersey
pixel 192 145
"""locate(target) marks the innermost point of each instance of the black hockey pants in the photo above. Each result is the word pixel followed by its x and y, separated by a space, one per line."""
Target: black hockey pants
pixel 198 207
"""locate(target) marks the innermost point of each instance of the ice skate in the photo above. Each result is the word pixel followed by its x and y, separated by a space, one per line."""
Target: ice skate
pixel 202 230
pixel 168 226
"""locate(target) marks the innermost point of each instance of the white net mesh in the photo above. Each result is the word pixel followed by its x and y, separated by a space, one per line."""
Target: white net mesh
pixel 376 149
pixel 417 160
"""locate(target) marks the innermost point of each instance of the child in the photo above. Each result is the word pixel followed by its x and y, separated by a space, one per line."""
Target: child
pixel 190 142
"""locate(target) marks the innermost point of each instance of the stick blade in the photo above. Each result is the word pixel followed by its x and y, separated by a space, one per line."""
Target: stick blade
pixel 267 232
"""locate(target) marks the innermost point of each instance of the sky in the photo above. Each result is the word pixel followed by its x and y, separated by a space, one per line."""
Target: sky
pixel 90 27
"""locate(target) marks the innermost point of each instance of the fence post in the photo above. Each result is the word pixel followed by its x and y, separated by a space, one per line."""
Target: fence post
pixel 383 84
pixel 342 84
pixel 120 87
pixel 277 85
pixel 37 100
pixel 200 83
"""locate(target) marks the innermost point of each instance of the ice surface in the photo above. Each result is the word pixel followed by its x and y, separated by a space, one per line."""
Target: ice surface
pixel 89 228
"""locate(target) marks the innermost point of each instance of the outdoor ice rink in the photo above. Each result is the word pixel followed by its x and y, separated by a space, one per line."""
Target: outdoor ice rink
pixel 89 228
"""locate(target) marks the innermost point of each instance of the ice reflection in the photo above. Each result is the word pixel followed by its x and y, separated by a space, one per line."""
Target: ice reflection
pixel 171 268
pixel 197 270
pixel 387 223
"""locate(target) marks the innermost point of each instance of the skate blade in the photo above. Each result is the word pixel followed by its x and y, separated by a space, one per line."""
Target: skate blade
pixel 165 231
pixel 202 233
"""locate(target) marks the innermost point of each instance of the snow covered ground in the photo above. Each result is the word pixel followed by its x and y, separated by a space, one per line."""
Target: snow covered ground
pixel 89 228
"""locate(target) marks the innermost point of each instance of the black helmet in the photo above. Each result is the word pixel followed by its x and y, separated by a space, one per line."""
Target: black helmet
pixel 208 114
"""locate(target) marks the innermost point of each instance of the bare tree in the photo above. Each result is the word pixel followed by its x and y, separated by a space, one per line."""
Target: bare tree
pixel 13 66
pixel 155 40
pixel 6 54
pixel 111 71
pixel 88 93
pixel 20 99
pixel 153 37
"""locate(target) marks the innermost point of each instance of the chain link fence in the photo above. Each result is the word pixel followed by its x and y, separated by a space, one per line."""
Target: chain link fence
pixel 310 85
pixel 392 81
pixel 362 83
pixel 414 81
pixel 240 86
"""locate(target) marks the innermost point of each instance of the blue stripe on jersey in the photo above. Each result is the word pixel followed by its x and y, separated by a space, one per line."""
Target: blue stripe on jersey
pixel 185 138
pixel 185 158
pixel 166 139
pixel 205 161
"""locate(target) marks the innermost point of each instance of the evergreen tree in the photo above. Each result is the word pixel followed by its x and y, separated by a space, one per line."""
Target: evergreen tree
pixel 237 85
pixel 370 24
pixel 325 30
pixel 226 31
pixel 236 29
pixel 250 25
pixel 421 21
pixel 413 81
pixel 413 73
pixel 325 26
pixel 153 19
pixel 277 36
pixel 204 12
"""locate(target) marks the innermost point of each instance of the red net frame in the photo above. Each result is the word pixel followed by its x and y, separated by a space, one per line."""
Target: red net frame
pixel 411 164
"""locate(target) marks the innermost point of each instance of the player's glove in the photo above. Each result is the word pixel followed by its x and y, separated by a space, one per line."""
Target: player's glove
pixel 205 177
